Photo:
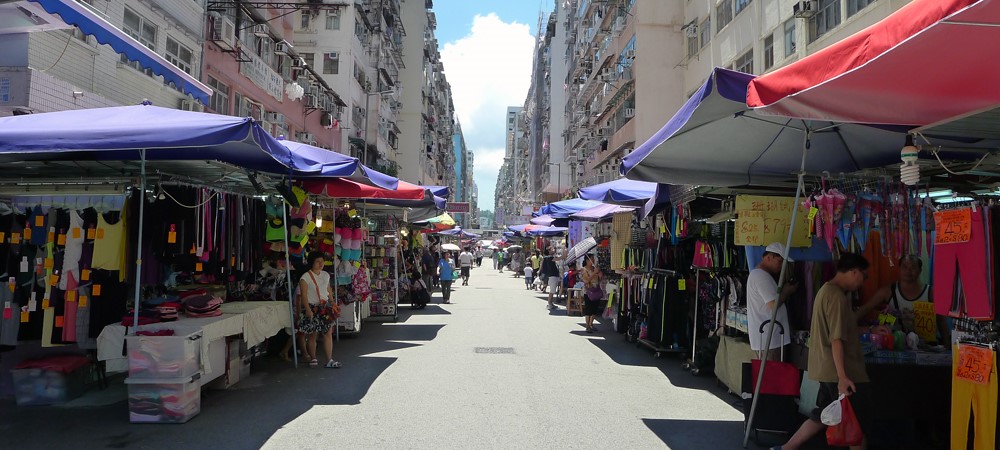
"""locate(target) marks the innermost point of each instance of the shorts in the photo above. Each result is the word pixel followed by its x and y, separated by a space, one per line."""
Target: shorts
pixel 554 283
pixel 465 271
pixel 593 307
pixel 859 402
pixel 529 279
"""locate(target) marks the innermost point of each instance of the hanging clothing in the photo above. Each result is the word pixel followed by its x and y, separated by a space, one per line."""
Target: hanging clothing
pixel 970 263
pixel 75 236
pixel 108 243
pixel 979 400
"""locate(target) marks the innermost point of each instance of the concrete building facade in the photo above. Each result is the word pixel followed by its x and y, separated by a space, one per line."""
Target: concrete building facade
pixel 631 64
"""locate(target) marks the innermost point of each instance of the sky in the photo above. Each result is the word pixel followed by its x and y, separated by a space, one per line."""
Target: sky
pixel 486 47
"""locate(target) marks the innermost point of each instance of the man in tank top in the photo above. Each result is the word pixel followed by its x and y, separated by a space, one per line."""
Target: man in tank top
pixel 898 299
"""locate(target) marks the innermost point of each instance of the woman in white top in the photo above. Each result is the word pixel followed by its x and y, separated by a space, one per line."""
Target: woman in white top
pixel 318 311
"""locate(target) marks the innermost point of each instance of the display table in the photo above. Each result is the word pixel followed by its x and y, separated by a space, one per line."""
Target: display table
pixel 574 301
pixel 729 359
pixel 256 321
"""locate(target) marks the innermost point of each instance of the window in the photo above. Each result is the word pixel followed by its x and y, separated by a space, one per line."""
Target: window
pixel 306 20
pixel 853 6
pixel 308 58
pixel 769 52
pixel 706 31
pixel 219 101
pixel 741 5
pixel 693 46
pixel 789 37
pixel 744 63
pixel 826 19
pixel 331 63
pixel 723 14
pixel 333 19
pixel 140 29
pixel 179 55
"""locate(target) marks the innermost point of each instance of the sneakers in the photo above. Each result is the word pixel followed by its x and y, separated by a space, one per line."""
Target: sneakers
pixel 331 364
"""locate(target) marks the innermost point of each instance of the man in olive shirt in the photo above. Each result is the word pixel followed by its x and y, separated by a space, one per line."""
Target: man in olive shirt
pixel 835 357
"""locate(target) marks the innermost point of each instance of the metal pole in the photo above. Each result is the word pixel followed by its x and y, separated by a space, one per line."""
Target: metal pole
pixel 694 324
pixel 288 279
pixel 781 283
pixel 138 246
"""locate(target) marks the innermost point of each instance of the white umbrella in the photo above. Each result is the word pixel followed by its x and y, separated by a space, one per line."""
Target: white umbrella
pixel 450 247
pixel 580 249
pixel 514 247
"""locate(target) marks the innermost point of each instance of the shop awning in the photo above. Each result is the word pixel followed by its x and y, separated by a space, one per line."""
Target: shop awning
pixel 75 13
pixel 929 62
pixel 458 231
pixel 118 133
pixel 624 192
pixel 716 140
pixel 440 191
pixel 343 188
pixel 321 162
pixel 562 209
pixel 600 212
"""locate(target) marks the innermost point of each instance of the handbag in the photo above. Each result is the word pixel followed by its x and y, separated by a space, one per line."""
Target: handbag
pixel 595 293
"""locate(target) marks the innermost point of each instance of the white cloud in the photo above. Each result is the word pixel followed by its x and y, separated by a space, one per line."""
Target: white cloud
pixel 489 69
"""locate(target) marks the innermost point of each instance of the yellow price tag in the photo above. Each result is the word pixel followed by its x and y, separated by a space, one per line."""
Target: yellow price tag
pixel 49 263
pixel 84 301
pixel 70 296
pixel 682 284
pixel 24 317
pixel 172 237
pixel 3 237
pixel 75 232
pixel 812 212
pixel 27 234
pixel 45 303
pixel 96 290
pixel 197 268
pixel 91 233
pixel 53 280
pixel 925 321
pixel 85 275
pixel 100 233
pixel 51 237
pixel 61 240
pixel 886 319
pixel 15 238
pixel 39 221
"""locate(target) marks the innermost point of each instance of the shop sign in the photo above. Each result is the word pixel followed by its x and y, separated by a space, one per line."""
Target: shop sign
pixel 762 220
pixel 953 226
pixel 457 207
pixel 975 364
pixel 262 75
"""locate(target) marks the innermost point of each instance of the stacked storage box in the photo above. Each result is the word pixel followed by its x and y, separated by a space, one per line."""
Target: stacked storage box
pixel 51 380
pixel 164 373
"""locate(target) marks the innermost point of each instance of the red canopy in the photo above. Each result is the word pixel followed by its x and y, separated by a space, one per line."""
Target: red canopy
pixel 931 61
pixel 343 188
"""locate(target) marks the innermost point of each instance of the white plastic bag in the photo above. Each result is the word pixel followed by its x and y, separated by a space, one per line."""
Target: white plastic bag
pixel 832 414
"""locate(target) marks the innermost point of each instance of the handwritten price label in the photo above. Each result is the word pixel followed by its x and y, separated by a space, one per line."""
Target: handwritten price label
pixel 953 226
pixel 925 321
pixel 975 364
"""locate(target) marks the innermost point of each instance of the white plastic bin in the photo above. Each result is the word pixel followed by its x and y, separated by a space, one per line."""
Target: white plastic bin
pixel 164 356
pixel 167 400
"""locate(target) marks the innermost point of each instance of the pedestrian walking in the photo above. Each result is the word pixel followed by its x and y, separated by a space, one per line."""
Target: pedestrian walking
pixel 446 275
pixel 552 277
pixel 428 267
pixel 502 256
pixel 479 256
pixel 593 303
pixel 465 265
pixel 318 311
pixel 528 277
pixel 496 258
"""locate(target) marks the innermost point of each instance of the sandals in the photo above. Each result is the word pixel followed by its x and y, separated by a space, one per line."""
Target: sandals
pixel 331 364
pixel 313 363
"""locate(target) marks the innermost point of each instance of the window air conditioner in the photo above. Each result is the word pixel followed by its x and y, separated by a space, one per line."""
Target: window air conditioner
pixel 261 30
pixel 310 100
pixel 281 48
pixel 627 73
pixel 691 31
pixel 223 32
pixel 804 9
pixel 630 54
pixel 629 113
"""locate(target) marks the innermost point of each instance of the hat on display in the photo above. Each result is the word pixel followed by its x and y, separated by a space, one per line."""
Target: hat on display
pixel 779 250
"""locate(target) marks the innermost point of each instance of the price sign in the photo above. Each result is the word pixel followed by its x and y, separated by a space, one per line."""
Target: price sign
pixel 953 226
pixel 975 364
pixel 925 321
pixel 750 228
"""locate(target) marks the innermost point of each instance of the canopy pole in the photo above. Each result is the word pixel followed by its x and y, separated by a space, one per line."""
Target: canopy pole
pixel 781 284
pixel 291 287
pixel 138 247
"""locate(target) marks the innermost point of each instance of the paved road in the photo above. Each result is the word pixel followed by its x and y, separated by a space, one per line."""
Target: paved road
pixel 419 383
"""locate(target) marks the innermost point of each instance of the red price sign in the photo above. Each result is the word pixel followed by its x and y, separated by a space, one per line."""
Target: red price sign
pixel 975 364
pixel 953 226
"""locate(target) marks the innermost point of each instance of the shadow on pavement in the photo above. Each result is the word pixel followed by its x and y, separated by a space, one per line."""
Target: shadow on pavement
pixel 243 416
pixel 431 310
pixel 714 434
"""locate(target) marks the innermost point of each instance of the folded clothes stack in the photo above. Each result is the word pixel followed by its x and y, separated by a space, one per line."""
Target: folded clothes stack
pixel 202 306
pixel 169 311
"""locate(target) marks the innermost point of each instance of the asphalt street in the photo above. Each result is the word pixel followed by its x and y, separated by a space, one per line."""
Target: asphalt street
pixel 537 381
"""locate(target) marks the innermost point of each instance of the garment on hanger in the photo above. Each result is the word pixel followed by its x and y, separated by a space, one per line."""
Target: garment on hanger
pixel 108 243
pixel 970 263
pixel 976 400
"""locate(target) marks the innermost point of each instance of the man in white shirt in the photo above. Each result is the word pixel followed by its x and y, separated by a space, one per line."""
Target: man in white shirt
pixel 465 264
pixel 762 294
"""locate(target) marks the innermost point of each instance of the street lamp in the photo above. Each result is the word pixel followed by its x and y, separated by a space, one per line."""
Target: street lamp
pixel 559 181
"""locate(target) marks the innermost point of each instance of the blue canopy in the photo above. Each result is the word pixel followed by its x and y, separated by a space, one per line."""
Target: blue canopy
pixel 716 140
pixel 458 231
pixel 563 209
pixel 429 201
pixel 321 162
pixel 440 191
pixel 75 13
pixel 625 192
pixel 118 133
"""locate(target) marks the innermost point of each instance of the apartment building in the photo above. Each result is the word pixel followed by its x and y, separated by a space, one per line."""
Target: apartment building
pixel 356 48
pixel 631 64
pixel 254 71
pixel 48 65
pixel 513 198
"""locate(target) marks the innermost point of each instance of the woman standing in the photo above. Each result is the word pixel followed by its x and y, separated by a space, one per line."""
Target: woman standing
pixel 593 304
pixel 446 273
pixel 318 311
